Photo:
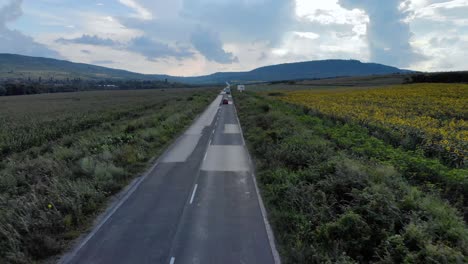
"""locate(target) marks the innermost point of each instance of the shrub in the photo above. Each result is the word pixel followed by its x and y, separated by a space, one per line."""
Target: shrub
pixel 297 152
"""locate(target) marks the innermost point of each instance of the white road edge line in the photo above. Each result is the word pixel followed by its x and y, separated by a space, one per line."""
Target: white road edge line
pixel 172 260
pixel 193 193
pixel 269 230
pixel 240 128
pixel 130 191
pixel 206 154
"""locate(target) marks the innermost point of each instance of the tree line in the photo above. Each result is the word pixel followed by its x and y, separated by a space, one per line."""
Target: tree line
pixel 441 77
pixel 28 86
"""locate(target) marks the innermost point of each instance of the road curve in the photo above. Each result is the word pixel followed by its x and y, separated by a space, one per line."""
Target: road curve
pixel 198 204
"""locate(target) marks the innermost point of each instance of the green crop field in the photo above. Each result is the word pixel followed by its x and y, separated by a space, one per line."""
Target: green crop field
pixel 63 155
pixel 339 191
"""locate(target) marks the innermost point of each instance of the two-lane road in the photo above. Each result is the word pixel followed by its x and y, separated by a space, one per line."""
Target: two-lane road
pixel 198 204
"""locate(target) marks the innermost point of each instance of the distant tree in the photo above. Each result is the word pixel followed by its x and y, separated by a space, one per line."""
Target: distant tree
pixel 3 91
pixel 15 89
pixel 441 77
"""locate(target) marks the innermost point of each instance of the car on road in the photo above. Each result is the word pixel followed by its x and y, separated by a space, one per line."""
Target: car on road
pixel 225 101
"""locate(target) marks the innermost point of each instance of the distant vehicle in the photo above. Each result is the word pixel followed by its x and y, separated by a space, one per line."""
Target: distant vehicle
pixel 225 101
pixel 228 90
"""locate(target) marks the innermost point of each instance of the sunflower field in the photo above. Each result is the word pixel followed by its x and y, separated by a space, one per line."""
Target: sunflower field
pixel 337 192
pixel 428 117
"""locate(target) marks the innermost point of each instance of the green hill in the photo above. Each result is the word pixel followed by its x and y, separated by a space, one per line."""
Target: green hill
pixel 17 66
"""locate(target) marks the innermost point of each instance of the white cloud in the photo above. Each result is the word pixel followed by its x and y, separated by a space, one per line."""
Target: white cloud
pixel 440 31
pixel 329 12
pixel 308 35
pixel 336 33
pixel 104 26
pixel 327 46
pixel 209 44
pixel 141 12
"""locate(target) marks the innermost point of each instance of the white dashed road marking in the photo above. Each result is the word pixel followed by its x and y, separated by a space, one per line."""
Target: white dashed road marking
pixel 231 129
pixel 226 158
pixel 193 193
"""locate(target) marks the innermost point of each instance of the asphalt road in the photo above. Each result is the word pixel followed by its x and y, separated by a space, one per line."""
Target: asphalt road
pixel 198 204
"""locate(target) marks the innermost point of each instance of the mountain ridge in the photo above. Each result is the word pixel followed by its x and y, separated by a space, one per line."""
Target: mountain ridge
pixel 19 66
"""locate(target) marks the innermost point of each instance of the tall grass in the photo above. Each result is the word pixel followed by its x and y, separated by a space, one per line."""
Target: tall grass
pixel 52 185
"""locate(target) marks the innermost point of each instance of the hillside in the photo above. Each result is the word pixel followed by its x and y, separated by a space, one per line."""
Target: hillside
pixel 16 66
pixel 299 71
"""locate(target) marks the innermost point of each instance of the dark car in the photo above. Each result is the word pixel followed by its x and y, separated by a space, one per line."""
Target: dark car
pixel 225 101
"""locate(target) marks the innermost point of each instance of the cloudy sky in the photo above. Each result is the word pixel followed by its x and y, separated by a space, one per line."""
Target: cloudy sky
pixel 194 37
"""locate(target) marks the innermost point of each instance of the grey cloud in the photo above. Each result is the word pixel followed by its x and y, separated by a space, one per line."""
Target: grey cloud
pixel 234 21
pixel 426 26
pixel 388 35
pixel 143 45
pixel 154 50
pixel 262 57
pixel 323 29
pixel 10 12
pixel 209 44
pixel 243 20
pixel 13 41
pixel 444 64
pixel 89 40
pixel 454 13
pixel 444 41
pixel 179 28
